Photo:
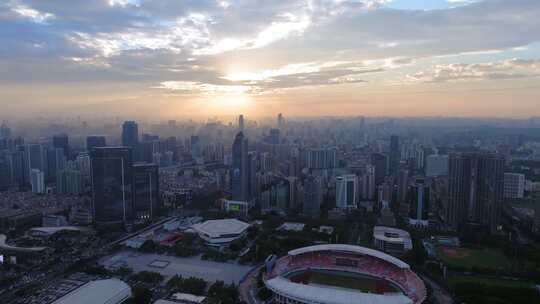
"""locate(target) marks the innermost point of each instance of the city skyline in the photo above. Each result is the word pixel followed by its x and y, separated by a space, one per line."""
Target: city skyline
pixel 361 57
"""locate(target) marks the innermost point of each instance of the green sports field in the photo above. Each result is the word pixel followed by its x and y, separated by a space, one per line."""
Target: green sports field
pixel 488 281
pixel 473 258
pixel 345 280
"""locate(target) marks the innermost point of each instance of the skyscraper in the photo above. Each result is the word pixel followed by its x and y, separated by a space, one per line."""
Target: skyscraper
pixel 145 191
pixel 241 123
pixel 380 161
pixel 436 165
pixel 514 185
pixel 475 190
pixel 36 158
pixel 240 170
pixel 195 144
pixel 37 180
pixel 395 154
pixel 111 184
pixel 536 202
pixel 368 184
pixel 274 136
pixel 18 174
pixel 56 161
pixel 419 197
pixel 130 134
pixel 5 131
pixel 61 141
pixel 324 158
pixel 402 183
pixel 93 141
pixel 4 171
pixel 346 191
pixel 312 196
pixel 280 120
pixel 69 181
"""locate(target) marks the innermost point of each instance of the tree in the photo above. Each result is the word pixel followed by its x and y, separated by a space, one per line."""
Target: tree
pixel 194 286
pixel 148 246
pixel 148 277
pixel 141 295
pixel 124 272
pixel 227 294
pixel 191 285
pixel 264 294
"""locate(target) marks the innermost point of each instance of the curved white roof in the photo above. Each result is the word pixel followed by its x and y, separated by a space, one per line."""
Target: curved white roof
pixel 53 230
pixel 354 249
pixel 328 295
pixel 402 236
pixel 110 291
pixel 218 228
pixel 5 246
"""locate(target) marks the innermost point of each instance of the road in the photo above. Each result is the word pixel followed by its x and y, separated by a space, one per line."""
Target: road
pixel 248 286
pixel 439 293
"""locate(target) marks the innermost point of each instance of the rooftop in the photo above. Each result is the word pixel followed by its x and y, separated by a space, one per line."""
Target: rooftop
pixel 393 235
pixel 352 248
pixel 217 228
pixel 290 226
pixel 110 291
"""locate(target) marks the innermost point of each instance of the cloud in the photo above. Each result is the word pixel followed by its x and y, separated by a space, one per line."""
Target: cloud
pixel 204 88
pixel 290 26
pixel 263 45
pixel 505 69
pixel 32 14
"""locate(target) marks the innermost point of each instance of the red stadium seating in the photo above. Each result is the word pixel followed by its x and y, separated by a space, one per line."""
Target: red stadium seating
pixel 406 279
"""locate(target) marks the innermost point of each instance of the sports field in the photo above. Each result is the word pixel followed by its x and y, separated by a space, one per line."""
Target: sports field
pixel 473 258
pixel 345 280
pixel 488 281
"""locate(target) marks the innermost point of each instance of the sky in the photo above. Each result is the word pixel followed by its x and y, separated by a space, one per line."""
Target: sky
pixel 172 58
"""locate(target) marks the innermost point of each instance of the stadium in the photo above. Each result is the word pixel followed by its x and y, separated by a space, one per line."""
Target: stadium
pixel 342 274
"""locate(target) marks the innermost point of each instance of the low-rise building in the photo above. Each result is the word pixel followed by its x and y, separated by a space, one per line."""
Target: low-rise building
pixel 221 232
pixel 392 240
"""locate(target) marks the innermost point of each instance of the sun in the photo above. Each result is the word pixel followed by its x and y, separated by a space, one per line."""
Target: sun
pixel 228 104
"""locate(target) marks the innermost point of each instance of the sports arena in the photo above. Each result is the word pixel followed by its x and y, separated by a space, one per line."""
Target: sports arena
pixel 342 274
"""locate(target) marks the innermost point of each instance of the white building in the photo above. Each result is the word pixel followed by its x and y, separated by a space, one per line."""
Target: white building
pixel 53 221
pixel 240 207
pixel 221 232
pixel 436 165
pixel 392 240
pixel 514 185
pixel 37 179
pixel 346 191
pixel 110 291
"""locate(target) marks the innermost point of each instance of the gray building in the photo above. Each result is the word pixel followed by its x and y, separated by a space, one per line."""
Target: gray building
pixel 130 134
pixel 240 168
pixel 475 190
pixel 312 196
pixel 111 175
pixel 146 203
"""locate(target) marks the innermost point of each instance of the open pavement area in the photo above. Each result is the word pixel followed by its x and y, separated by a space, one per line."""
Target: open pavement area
pixel 169 266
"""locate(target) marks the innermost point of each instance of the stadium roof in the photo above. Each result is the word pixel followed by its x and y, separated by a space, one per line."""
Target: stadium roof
pixel 329 295
pixel 5 246
pixel 217 228
pixel 351 248
pixel 110 291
